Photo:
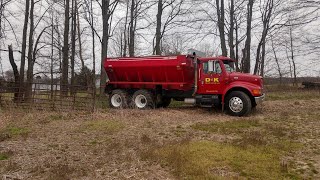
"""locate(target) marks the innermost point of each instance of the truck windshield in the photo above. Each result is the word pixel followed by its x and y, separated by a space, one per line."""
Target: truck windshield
pixel 230 66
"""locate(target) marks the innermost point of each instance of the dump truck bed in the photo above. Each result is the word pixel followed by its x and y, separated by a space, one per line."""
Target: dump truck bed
pixel 170 72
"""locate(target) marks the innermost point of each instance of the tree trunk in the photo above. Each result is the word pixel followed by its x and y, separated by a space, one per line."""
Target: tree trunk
pixel 246 51
pixel 60 47
pixel 52 54
pixel 237 47
pixel 28 92
pixel 23 48
pixel 65 51
pixel 157 48
pixel 105 39
pixel 231 37
pixel 257 65
pixel 2 6
pixel 16 75
pixel 132 30
pixel 267 13
pixel 263 56
pixel 83 68
pixel 93 52
pixel 125 38
pixel 221 24
pixel 73 44
pixel 80 41
pixel 277 60
pixel 292 58
pixel 289 61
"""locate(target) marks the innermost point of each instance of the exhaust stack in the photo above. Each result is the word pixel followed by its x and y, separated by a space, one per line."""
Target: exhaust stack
pixel 195 74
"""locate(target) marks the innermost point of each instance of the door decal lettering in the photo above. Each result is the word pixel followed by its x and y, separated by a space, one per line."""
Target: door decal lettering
pixel 212 81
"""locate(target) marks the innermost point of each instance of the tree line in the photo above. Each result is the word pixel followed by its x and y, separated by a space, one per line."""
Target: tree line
pixel 61 39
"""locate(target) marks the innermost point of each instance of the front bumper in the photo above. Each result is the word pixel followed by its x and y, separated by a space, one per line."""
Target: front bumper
pixel 260 99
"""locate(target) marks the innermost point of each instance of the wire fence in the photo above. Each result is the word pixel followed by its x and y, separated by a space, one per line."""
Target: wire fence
pixel 44 96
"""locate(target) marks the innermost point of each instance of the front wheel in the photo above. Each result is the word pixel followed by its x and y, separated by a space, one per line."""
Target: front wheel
pixel 238 103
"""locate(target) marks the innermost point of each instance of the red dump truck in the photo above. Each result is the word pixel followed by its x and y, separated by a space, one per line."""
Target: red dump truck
pixel 152 82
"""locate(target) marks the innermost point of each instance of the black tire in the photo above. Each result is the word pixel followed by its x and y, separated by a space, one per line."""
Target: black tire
pixel 119 99
pixel 165 102
pixel 158 101
pixel 254 105
pixel 218 105
pixel 162 102
pixel 238 103
pixel 143 99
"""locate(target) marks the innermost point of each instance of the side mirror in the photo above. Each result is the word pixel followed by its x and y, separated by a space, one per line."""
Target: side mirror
pixel 211 66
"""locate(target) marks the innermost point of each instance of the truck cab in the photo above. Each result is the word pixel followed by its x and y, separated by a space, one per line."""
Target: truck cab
pixel 220 85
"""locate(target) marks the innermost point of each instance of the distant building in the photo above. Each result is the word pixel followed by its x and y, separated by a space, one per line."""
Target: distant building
pixel 44 84
pixel 45 87
pixel 198 53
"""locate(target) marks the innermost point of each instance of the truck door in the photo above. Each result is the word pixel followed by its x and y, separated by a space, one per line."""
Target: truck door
pixel 211 78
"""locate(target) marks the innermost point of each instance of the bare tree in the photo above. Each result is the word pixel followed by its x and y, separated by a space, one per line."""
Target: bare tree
pixel 231 29
pixel 161 26
pixel 107 8
pixel 125 36
pixel 30 53
pixel 132 28
pixel 73 43
pixel 16 74
pixel 65 50
pixel 24 47
pixel 221 25
pixel 246 51
pixel 93 51
pixel 293 56
pixel 237 17
pixel 267 13
pixel 276 59
pixel 157 47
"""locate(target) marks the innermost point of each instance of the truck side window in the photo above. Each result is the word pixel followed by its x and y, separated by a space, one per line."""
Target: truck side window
pixel 216 67
pixel 205 68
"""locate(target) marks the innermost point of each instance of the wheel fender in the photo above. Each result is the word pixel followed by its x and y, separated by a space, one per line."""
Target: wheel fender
pixel 243 85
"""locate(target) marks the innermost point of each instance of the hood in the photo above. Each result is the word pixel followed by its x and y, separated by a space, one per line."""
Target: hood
pixel 246 77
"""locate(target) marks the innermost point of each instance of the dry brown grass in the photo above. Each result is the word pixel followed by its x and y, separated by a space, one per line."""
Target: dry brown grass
pixel 121 144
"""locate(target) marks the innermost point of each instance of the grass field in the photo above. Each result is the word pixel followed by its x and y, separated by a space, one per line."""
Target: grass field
pixel 279 140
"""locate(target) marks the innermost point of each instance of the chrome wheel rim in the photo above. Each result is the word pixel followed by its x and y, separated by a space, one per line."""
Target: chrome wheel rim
pixel 236 104
pixel 141 101
pixel 116 100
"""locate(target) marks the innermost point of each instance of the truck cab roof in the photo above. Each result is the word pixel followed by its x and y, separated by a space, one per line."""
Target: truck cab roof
pixel 223 58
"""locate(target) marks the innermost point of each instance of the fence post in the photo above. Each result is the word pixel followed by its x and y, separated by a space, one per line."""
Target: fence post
pixel 51 96
pixel 93 97
pixel 33 95
pixel 74 101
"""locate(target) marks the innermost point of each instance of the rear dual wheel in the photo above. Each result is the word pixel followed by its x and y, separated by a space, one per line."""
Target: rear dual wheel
pixel 119 99
pixel 143 99
pixel 166 102
pixel 163 102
